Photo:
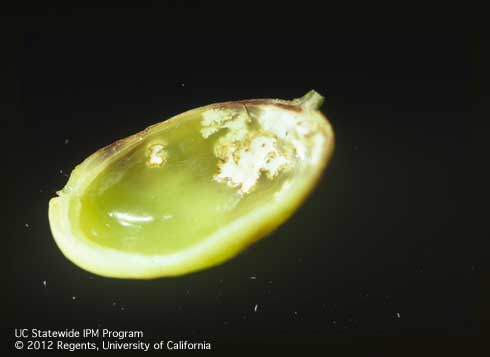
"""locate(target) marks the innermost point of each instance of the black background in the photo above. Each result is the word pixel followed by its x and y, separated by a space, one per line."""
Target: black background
pixel 381 247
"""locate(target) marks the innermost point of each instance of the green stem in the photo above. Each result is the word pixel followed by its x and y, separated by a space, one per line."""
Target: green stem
pixel 311 100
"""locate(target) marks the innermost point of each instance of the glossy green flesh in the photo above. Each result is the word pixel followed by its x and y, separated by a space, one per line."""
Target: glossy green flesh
pixel 160 210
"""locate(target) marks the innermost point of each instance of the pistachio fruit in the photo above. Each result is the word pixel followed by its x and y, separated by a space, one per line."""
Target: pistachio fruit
pixel 192 191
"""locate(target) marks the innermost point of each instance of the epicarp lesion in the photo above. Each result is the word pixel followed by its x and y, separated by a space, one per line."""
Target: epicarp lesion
pixel 156 154
pixel 246 151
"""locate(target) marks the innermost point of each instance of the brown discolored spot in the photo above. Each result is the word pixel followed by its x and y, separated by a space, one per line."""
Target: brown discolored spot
pixel 251 102
pixel 283 105
pixel 110 149
pixel 228 105
pixel 113 148
pixel 294 108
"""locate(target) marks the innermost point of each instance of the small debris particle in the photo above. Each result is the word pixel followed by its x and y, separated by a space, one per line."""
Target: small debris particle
pixel 113 303
pixel 27 225
pixel 398 315
pixel 44 283
pixel 122 308
pixel 253 277
pixel 61 172
pixel 334 322
pixel 73 297
pixel 182 84
pixel 67 141
pixel 256 307
pixel 296 312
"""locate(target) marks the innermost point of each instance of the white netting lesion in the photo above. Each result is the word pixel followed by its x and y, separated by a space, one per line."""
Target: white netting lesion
pixel 245 151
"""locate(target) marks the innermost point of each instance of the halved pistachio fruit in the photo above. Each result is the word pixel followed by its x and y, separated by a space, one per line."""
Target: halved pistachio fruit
pixel 192 191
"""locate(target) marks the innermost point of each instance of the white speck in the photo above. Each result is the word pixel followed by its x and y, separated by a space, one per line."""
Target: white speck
pixel 44 283
pixel 61 172
pixel 398 315
pixel 113 303
pixel 73 297
pixel 122 308
pixel 334 322
pixel 256 307
pixel 182 84
pixel 157 155
pixel 296 312
pixel 253 277
pixel 67 141
pixel 27 225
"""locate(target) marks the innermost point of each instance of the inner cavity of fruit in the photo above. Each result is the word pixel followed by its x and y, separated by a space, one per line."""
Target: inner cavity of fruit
pixel 179 185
